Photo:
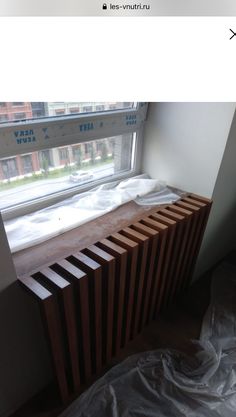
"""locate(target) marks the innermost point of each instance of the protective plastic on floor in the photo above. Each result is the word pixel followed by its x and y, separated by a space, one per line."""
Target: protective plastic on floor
pixel 170 383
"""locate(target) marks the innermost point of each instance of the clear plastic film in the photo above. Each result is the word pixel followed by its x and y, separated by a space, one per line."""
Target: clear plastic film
pixel 32 229
pixel 168 383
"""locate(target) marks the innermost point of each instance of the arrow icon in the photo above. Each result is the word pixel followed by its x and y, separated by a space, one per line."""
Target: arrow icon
pixel 234 34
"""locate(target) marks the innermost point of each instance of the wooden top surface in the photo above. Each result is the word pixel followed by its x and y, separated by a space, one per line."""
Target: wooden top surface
pixel 32 259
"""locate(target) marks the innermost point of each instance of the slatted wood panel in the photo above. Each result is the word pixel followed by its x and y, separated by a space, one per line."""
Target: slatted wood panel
pixel 95 301
pixel 132 248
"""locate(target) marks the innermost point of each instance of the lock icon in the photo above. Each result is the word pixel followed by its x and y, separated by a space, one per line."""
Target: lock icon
pixel 104 6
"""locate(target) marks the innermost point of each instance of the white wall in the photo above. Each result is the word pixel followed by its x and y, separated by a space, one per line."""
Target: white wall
pixel 221 237
pixel 7 272
pixel 185 145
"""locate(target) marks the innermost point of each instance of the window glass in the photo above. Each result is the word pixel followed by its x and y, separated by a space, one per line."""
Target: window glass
pixel 25 178
pixel 19 116
pixel 17 111
pixel 3 117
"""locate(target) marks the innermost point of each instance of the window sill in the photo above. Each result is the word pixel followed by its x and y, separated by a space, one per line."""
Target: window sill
pixel 32 259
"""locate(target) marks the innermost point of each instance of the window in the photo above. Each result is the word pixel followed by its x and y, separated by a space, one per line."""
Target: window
pixel 41 160
pixel 76 110
pixel 27 164
pixel 9 168
pixel 45 158
pixel 39 110
pixel 86 148
pixel 3 118
pixel 63 153
pixel 59 112
pixel 100 108
pixel 87 109
pixel 20 116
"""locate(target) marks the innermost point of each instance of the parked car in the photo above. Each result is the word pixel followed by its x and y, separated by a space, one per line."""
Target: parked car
pixel 81 176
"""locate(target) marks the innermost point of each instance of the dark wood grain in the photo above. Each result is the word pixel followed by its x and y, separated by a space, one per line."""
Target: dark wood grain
pixel 151 258
pixel 50 319
pixel 108 278
pixel 79 280
pixel 132 248
pixel 159 267
pixel 120 255
pixel 143 242
pixel 65 294
pixel 169 260
pixel 94 272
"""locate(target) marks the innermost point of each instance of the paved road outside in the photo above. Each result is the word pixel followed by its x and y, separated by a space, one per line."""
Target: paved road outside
pixel 41 188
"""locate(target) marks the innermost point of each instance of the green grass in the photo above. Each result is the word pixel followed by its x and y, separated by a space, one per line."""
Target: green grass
pixel 57 173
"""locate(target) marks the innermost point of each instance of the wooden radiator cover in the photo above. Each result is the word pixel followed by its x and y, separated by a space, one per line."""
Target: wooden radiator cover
pixel 94 301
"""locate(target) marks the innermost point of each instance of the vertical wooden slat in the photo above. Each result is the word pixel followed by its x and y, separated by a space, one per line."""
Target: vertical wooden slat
pixel 94 272
pixel 180 242
pixel 170 256
pixel 120 280
pixel 52 325
pixel 202 221
pixel 196 219
pixel 191 238
pixel 158 274
pixel 108 264
pixel 79 280
pixel 132 248
pixel 66 299
pixel 151 257
pixel 143 242
pixel 186 230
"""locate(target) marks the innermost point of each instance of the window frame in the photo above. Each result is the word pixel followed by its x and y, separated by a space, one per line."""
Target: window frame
pixel 92 126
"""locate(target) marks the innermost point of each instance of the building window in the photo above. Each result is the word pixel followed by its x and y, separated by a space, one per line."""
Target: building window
pixel 3 118
pixel 27 164
pixel 100 108
pixel 87 109
pixel 45 158
pixel 73 111
pixel 3 104
pixel 19 116
pixel 18 103
pixel 63 153
pixel 38 114
pixel 86 148
pixel 9 168
pixel 59 112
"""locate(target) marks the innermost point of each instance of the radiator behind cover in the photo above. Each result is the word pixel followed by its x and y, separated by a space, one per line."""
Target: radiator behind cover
pixel 95 301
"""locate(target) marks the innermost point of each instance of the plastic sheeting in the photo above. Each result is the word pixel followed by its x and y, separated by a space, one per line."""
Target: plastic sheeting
pixel 167 383
pixel 32 229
